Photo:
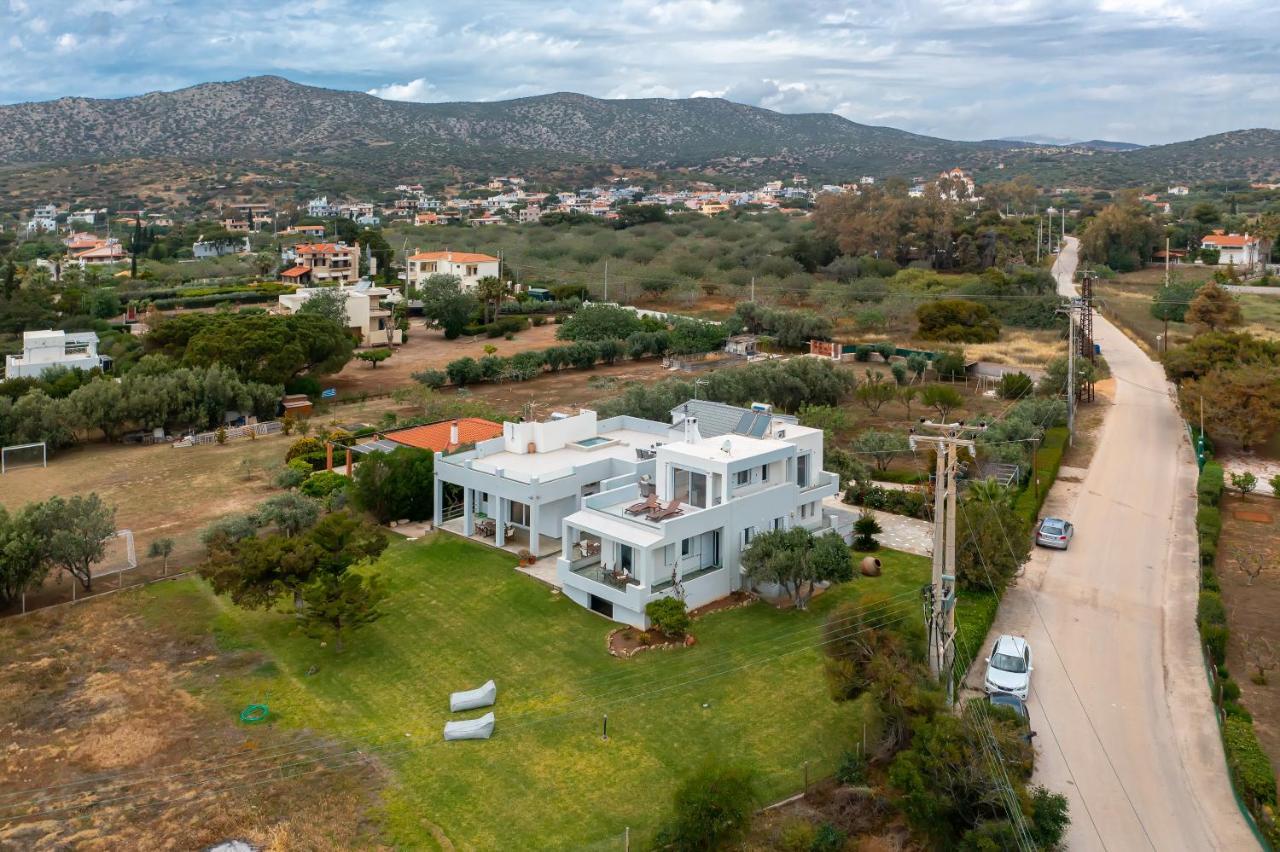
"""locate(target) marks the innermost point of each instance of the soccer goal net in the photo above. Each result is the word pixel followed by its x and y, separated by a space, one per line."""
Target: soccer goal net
pixel 23 455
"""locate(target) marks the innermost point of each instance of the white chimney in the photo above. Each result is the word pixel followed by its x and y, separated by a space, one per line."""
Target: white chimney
pixel 453 434
pixel 691 433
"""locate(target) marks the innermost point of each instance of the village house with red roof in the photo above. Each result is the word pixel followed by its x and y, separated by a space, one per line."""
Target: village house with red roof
pixel 469 267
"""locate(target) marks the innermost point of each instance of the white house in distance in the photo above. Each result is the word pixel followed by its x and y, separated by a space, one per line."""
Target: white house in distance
pixel 368 310
pixel 469 267
pixel 641 509
pixel 43 218
pixel 1241 250
pixel 45 350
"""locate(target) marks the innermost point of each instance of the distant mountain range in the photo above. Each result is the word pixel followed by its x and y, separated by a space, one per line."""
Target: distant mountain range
pixel 270 119
pixel 1060 142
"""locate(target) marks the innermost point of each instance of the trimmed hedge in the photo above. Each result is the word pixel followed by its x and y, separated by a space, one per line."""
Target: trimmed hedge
pixel 1048 460
pixel 1249 764
pixel 1208 529
pixel 1212 483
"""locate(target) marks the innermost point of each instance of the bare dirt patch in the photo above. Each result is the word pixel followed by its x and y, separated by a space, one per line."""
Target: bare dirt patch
pixel 426 349
pixel 1090 417
pixel 111 747
pixel 1252 607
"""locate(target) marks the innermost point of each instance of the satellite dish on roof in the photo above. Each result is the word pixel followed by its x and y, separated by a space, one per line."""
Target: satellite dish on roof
pixel 727 446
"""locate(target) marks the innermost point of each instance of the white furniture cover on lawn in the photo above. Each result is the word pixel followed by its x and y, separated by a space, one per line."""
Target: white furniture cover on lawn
pixel 470 729
pixel 473 699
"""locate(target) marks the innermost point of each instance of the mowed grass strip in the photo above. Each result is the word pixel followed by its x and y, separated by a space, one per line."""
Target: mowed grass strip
pixel 750 690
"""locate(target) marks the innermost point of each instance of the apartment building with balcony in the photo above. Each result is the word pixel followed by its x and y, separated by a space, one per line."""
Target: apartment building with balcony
pixel 639 509
pixel 323 263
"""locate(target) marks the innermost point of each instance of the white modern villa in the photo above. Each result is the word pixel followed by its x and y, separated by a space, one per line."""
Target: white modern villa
pixel 639 509
pixel 46 350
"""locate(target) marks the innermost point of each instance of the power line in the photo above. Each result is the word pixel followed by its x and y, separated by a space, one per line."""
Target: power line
pixel 360 754
pixel 1035 605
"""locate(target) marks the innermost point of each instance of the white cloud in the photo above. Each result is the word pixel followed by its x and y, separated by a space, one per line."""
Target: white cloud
pixel 414 90
pixel 957 68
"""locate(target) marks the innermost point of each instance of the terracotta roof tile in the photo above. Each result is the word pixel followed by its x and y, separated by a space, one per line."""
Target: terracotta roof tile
pixel 454 257
pixel 435 436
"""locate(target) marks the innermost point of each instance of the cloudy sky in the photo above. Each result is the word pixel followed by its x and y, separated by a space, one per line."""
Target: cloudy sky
pixel 1133 70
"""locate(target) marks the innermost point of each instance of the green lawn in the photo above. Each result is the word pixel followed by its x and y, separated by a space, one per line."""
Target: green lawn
pixel 751 690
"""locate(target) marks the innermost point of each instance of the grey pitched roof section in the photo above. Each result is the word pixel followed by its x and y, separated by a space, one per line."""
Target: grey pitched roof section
pixel 716 418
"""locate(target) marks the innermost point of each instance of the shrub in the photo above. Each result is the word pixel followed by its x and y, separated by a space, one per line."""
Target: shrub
pixel 599 322
pixel 958 321
pixel 827 839
pixel 303 447
pixel 867 528
pixel 1229 690
pixel 1244 482
pixel 910 503
pixel 862 352
pixel 852 769
pixel 1211 484
pixel 433 379
pixel 949 365
pixel 899 371
pixel 668 615
pixel 463 371
pixel 1015 386
pixel 712 808
pixel 1211 616
pixel 323 483
pixel 1208 527
pixel 290 476
pixel 1250 766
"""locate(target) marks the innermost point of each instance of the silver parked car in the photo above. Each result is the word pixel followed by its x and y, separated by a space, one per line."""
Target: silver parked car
pixel 1055 532
pixel 1009 667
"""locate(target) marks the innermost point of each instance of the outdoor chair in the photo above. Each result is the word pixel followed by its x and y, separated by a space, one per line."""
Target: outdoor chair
pixel 470 729
pixel 473 699
pixel 648 504
pixel 669 511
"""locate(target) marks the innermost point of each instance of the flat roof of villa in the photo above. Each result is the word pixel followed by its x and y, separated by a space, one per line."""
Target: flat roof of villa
pixel 727 448
pixel 622 446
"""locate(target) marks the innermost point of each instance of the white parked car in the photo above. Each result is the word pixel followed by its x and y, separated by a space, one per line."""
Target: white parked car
pixel 1009 667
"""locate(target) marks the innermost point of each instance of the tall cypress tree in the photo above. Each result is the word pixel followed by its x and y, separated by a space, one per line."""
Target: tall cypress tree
pixel 136 246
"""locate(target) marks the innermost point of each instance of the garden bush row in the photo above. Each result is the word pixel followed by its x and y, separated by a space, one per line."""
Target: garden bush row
pixel 1249 765
pixel 523 366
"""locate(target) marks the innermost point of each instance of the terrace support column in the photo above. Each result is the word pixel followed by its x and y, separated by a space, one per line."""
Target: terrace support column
pixel 534 537
pixel 500 512
pixel 437 498
pixel 468 513
pixel 348 462
pixel 328 456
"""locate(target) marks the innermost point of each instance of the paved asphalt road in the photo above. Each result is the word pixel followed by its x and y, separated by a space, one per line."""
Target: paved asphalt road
pixel 1255 291
pixel 1119 698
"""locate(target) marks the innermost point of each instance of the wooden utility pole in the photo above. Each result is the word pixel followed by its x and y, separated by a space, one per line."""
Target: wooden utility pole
pixel 940 596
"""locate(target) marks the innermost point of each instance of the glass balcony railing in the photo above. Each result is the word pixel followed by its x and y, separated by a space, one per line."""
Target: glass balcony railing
pixel 595 571
pixel 692 575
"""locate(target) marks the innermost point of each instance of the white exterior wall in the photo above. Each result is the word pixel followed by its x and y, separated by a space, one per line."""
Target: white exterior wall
pixel 45 350
pixel 421 269
pixel 360 306
pixel 759 505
